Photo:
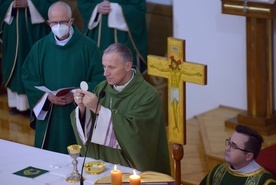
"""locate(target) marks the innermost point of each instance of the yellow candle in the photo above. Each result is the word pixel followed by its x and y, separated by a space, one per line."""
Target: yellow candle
pixel 116 176
pixel 134 179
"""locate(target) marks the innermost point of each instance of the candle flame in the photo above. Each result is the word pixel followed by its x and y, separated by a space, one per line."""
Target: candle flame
pixel 115 167
pixel 134 172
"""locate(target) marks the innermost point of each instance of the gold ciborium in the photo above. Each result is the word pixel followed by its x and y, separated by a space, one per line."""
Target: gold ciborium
pixel 74 152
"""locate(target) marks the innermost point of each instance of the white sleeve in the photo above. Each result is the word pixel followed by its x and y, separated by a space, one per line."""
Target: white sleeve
pixel 116 18
pixel 39 113
pixel 103 132
pixel 92 23
pixel 88 123
pixel 8 19
pixel 35 15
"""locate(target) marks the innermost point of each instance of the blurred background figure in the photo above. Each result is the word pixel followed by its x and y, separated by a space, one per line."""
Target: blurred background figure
pixel 23 22
pixel 119 21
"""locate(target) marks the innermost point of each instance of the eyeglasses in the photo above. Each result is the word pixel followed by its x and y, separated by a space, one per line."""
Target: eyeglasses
pixel 53 23
pixel 233 145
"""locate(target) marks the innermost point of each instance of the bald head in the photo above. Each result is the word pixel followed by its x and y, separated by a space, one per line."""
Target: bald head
pixel 60 9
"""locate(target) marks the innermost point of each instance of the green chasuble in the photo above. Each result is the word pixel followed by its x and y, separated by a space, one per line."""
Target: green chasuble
pixel 18 38
pixel 58 67
pixel 223 175
pixel 134 12
pixel 139 127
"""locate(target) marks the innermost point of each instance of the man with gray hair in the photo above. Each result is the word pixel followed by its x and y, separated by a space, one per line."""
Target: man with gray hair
pixel 129 129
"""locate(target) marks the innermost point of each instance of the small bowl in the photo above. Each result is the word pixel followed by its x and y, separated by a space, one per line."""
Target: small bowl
pixel 94 167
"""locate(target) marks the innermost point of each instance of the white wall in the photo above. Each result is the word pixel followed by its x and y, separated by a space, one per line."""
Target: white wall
pixel 217 40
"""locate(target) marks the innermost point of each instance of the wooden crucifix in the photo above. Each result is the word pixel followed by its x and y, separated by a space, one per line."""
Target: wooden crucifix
pixel 178 71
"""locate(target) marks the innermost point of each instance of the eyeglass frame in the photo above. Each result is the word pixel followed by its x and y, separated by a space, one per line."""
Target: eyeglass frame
pixel 53 23
pixel 234 146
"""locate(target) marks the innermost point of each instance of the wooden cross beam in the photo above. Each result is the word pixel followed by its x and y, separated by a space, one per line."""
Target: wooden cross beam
pixel 178 71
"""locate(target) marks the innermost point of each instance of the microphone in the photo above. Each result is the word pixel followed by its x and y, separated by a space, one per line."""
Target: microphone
pixel 101 95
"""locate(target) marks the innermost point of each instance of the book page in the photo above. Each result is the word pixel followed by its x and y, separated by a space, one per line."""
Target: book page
pixel 59 92
pixel 44 89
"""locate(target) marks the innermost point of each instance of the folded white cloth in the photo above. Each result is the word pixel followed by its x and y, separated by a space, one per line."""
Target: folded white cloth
pixel 116 18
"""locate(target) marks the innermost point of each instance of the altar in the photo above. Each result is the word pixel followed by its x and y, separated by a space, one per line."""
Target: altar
pixel 15 157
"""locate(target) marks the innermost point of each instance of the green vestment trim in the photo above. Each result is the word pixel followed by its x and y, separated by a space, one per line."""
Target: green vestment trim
pixel 223 175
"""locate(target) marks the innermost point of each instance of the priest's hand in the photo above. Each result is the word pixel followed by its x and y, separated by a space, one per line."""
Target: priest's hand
pixel 90 100
pixel 20 4
pixel 104 7
pixel 78 96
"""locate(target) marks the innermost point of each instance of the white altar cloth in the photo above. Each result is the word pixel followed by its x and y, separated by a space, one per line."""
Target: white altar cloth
pixel 15 157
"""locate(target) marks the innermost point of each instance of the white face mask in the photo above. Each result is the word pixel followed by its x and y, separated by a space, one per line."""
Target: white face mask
pixel 60 30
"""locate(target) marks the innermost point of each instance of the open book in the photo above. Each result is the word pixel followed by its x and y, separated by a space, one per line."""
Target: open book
pixel 59 92
pixel 147 177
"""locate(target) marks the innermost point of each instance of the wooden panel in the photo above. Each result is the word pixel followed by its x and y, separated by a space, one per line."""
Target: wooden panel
pixel 159 26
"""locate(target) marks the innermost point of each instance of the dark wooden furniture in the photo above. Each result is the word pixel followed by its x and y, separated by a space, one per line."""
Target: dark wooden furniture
pixel 260 113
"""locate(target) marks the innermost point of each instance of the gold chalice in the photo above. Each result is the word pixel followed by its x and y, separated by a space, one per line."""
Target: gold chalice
pixel 74 152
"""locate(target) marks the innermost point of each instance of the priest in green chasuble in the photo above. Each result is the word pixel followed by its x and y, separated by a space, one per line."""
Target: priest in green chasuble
pixel 242 148
pixel 62 59
pixel 23 22
pixel 129 127
pixel 117 21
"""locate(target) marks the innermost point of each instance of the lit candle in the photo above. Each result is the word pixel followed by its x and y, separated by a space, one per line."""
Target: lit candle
pixel 134 179
pixel 116 176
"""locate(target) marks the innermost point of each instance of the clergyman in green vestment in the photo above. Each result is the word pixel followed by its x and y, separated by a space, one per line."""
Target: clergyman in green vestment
pixel 63 58
pixel 117 21
pixel 240 168
pixel 130 128
pixel 23 22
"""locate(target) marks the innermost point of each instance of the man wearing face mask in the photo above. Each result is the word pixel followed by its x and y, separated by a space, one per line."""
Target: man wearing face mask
pixel 63 58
